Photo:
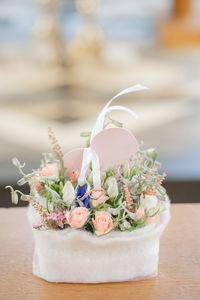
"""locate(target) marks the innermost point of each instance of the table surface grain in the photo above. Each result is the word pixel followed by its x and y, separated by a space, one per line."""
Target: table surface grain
pixel 179 266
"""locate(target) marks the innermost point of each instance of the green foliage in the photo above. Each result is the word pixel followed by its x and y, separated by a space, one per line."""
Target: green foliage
pixel 89 227
pixel 138 224
pixel 88 135
pixel 62 171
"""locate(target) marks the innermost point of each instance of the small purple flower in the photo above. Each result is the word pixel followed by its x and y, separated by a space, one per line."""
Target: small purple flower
pixel 38 224
pixel 52 216
pixel 61 219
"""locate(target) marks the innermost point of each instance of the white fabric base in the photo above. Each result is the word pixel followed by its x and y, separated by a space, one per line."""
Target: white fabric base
pixel 72 255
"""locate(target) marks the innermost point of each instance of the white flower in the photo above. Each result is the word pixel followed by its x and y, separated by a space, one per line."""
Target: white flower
pixel 126 224
pixel 17 163
pixel 133 216
pixel 68 193
pixel 14 196
pixel 112 187
pixel 113 211
pixel 150 203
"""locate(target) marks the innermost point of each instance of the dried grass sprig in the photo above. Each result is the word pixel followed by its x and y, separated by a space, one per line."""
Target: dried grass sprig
pixel 56 147
pixel 42 211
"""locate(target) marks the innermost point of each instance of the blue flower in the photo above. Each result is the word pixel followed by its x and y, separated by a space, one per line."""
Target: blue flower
pixel 80 192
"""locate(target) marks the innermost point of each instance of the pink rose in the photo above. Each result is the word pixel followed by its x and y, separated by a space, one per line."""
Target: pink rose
pixel 77 217
pixel 140 212
pixel 102 222
pixel 98 197
pixel 154 219
pixel 50 170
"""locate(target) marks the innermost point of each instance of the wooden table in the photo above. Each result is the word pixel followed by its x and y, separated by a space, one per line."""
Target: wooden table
pixel 179 268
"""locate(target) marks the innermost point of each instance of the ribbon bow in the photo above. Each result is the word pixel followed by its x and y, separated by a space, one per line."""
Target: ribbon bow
pixel 89 155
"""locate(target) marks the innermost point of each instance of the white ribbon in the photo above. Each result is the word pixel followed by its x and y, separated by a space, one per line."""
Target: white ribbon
pixel 85 162
pixel 96 170
pixel 90 155
pixel 119 107
pixel 100 120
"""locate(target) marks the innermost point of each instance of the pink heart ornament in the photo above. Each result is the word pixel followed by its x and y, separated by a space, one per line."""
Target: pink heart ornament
pixel 73 161
pixel 113 146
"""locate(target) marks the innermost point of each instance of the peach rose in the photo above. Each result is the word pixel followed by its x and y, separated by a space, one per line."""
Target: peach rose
pixel 140 212
pixel 154 219
pixel 50 170
pixel 38 185
pixel 98 197
pixel 74 176
pixel 77 217
pixel 102 222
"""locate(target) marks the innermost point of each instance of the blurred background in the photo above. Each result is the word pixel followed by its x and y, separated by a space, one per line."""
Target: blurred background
pixel 62 60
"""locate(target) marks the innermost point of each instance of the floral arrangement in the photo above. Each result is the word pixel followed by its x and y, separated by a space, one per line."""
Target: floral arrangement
pixel 131 194
pixel 93 203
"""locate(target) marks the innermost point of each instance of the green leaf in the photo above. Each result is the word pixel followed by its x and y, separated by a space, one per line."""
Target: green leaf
pixel 110 173
pixel 155 155
pixel 116 123
pixel 55 187
pixel 157 211
pixel 132 172
pixel 126 170
pixel 47 202
pixel 88 143
pixel 62 171
pixel 61 189
pixel 88 135
pixel 85 134
pixel 88 227
pixel 149 164
pixel 132 227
